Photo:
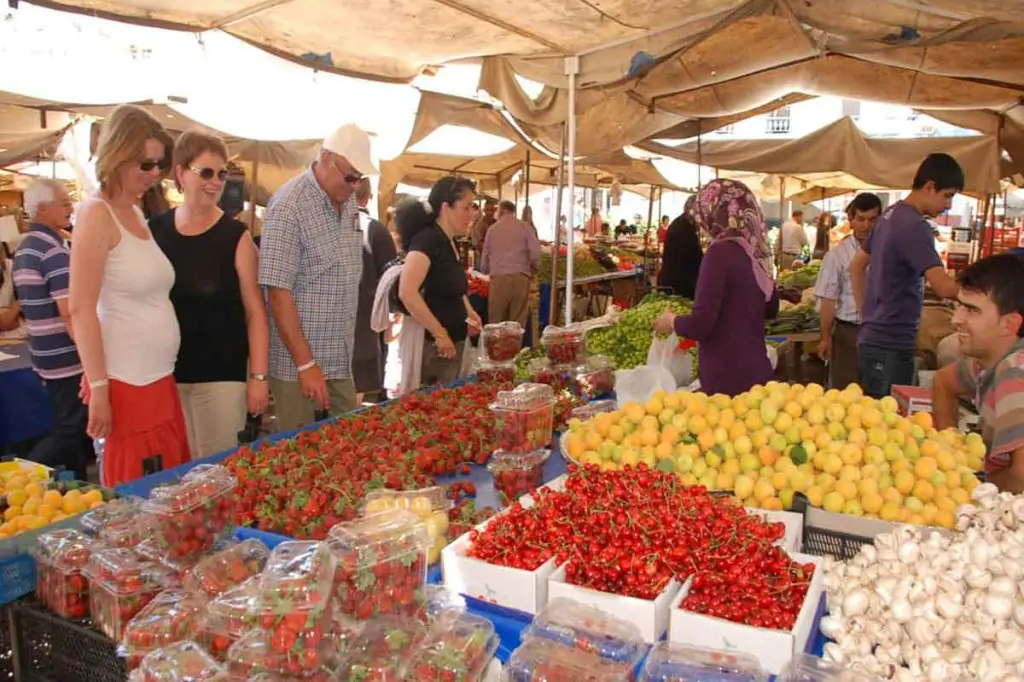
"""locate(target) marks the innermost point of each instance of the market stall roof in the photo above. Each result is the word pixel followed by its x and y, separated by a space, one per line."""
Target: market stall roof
pixel 842 147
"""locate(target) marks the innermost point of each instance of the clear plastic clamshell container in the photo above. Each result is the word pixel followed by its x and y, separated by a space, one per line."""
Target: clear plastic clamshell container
pixel 381 563
pixel 517 474
pixel 457 648
pixel 120 586
pixel 502 341
pixel 217 573
pixel 807 668
pixel 171 617
pixel 583 627
pixel 491 372
pixel 181 662
pixel 226 618
pixel 543 660
pixel 524 417
pixel 61 558
pixel 297 576
pixel 435 600
pixel 564 345
pixel 192 515
pixel 255 654
pixel 596 377
pixel 380 650
pixel 422 502
pixel 673 662
pixel 117 510
pixel 587 412
pixel 541 372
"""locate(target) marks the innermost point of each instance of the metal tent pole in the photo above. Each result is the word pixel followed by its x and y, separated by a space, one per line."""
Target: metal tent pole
pixel 572 67
pixel 553 305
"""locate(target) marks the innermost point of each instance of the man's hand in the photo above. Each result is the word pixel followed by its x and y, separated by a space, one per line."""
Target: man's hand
pixel 825 348
pixel 314 387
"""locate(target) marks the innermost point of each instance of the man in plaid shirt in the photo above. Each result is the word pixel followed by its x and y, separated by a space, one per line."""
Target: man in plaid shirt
pixel 311 261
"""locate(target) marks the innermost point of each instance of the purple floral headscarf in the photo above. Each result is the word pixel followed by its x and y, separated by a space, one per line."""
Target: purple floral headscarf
pixel 729 211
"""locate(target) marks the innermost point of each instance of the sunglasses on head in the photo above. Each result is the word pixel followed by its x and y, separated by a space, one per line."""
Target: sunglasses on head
pixel 208 174
pixel 147 165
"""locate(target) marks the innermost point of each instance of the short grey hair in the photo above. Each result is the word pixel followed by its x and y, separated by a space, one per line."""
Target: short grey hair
pixel 42 191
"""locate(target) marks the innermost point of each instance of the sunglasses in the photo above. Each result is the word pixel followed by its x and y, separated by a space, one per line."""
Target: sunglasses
pixel 351 177
pixel 208 174
pixel 147 165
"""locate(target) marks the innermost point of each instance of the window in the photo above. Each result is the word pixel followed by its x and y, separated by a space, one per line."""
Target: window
pixel 726 130
pixel 777 122
pixel 851 108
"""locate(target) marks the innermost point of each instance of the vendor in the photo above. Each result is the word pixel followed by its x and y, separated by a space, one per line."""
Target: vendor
pixel 735 293
pixel 990 325
pixel 680 263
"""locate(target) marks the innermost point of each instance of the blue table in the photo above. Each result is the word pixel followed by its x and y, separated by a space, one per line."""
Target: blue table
pixel 24 402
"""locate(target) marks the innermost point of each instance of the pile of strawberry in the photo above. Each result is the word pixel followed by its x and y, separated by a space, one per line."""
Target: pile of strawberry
pixel 305 485
pixel 631 532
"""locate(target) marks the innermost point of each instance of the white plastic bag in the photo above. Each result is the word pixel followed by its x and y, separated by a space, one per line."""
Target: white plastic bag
pixel 639 385
pixel 665 353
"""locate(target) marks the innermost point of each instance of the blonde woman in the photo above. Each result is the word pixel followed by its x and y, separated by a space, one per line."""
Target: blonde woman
pixel 121 310
pixel 222 365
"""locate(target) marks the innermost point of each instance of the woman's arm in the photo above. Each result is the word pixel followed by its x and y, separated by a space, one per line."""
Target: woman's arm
pixel 256 322
pixel 771 311
pixel 94 238
pixel 10 316
pixel 414 272
pixel 711 285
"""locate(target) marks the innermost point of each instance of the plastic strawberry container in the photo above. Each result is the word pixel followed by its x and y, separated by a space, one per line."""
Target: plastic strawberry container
pixel 226 618
pixel 564 345
pixel 61 558
pixel 171 617
pixel 217 573
pixel 381 563
pixel 587 412
pixel 182 662
pixel 191 516
pixel 540 371
pixel 807 668
pixel 379 652
pixel 502 341
pixel 422 502
pixel 254 655
pixel 457 648
pixel 435 600
pixel 672 662
pixel 578 626
pixel 113 512
pixel 596 377
pixel 517 474
pixel 524 417
pixel 120 586
pixel 492 372
pixel 543 659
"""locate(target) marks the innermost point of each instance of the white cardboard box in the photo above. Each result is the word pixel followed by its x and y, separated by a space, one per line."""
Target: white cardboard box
pixel 772 648
pixel 650 616
pixel 793 540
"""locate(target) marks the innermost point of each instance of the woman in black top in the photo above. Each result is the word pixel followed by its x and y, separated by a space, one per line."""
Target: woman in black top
pixel 680 263
pixel 433 285
pixel 222 364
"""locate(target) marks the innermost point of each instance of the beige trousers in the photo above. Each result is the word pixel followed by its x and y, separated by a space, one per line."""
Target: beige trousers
pixel 508 299
pixel 214 414
pixel 294 410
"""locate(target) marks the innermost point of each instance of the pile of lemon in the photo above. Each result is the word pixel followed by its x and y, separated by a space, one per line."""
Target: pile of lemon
pixel 30 505
pixel 435 519
pixel 846 452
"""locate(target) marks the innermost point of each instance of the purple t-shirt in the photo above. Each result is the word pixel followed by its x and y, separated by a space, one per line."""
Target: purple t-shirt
pixel 902 249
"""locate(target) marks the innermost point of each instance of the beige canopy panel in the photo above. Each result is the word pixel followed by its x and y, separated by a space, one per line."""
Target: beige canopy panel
pixel 842 147
pixel 27 135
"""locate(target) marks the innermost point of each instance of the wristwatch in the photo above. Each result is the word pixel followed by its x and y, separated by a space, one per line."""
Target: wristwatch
pixel 258 377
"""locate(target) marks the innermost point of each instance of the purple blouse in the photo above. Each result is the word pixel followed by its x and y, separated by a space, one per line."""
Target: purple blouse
pixel 727 323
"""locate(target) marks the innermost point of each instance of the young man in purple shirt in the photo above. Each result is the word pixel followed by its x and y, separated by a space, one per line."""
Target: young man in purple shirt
pixel 890 295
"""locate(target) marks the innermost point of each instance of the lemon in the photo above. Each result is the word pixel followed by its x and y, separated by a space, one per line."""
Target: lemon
pixel 833 502
pixel 12 513
pixel 34 489
pixel 17 498
pixel 52 498
pixel 31 506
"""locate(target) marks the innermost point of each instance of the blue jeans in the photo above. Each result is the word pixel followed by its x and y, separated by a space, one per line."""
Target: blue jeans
pixel 882 368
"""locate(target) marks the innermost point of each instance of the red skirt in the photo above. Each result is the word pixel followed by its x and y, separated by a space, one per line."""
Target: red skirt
pixel 147 432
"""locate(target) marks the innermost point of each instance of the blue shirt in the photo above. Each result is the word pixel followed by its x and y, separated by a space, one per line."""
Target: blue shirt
pixel 41 274
pixel 902 249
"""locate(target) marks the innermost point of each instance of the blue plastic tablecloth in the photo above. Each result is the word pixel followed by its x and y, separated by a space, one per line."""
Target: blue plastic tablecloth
pixel 24 402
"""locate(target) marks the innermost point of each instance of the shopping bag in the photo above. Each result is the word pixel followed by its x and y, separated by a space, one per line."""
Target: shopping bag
pixel 640 384
pixel 470 357
pixel 665 353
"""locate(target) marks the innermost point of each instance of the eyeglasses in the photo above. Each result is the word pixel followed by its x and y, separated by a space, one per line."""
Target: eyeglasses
pixel 351 177
pixel 208 174
pixel 147 165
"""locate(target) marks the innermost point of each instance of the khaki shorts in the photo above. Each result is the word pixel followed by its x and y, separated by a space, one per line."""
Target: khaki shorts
pixel 294 410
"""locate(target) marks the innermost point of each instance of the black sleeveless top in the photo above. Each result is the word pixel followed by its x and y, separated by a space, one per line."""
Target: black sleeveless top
pixel 207 300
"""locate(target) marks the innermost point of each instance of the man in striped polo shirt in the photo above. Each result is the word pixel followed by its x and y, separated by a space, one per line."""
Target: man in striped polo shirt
pixel 989 320
pixel 41 279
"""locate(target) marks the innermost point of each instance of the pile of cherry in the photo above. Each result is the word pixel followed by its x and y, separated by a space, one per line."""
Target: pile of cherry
pixel 632 532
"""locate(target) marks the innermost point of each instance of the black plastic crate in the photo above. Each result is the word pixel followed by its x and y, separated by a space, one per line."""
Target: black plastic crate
pixel 48 648
pixel 823 542
pixel 6 645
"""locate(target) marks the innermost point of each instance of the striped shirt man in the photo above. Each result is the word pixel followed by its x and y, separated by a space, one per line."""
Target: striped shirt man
pixel 834 280
pixel 41 278
pixel 999 396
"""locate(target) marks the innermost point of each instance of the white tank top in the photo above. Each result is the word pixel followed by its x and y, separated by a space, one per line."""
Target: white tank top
pixel 140 331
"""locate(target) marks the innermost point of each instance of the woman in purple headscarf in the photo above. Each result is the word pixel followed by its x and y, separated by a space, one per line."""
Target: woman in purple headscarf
pixel 680 262
pixel 735 293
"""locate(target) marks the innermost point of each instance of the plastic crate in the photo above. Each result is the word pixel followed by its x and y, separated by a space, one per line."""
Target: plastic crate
pixel 47 648
pixel 824 542
pixel 6 645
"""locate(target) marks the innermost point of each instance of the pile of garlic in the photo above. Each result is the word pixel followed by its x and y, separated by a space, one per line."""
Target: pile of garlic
pixel 926 605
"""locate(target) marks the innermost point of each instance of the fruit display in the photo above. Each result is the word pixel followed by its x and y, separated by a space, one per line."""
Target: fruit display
pixel 217 573
pixel 381 564
pixel 564 346
pixel 541 659
pixel 517 474
pixel 585 628
pixel 627 342
pixel 120 586
pixel 464 516
pixel 181 661
pixel 673 662
pixel 596 377
pixel 253 655
pixel 31 501
pixel 843 451
pixel 191 516
pixel 61 557
pixel 488 371
pixel 524 417
pixel 429 504
pixel 171 617
pixel 915 605
pixel 502 341
pixel 583 263
pixel 801 278
pixel 226 618
pixel 303 486
pixel 457 648
pixel 379 651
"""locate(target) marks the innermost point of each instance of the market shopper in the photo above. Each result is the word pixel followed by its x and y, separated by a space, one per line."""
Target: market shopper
pixel 481 223
pixel 900 250
pixel 734 293
pixel 378 251
pixel 511 256
pixel 311 263
pixel 822 234
pixel 990 327
pixel 433 285
pixel 121 312
pixel 792 240
pixel 680 263
pixel 221 369
pixel 837 308
pixel 40 275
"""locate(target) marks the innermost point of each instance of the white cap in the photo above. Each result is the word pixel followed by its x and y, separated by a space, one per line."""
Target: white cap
pixel 353 143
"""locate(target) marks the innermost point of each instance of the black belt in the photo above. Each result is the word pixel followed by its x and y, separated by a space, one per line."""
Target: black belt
pixel 847 324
